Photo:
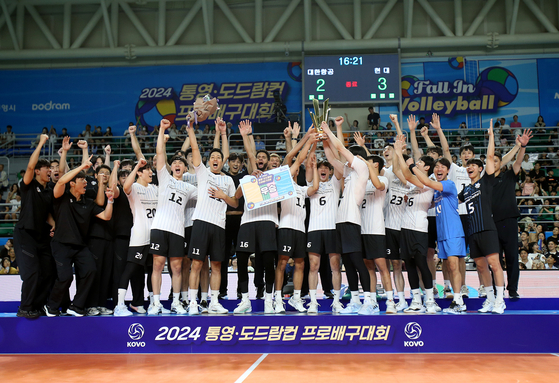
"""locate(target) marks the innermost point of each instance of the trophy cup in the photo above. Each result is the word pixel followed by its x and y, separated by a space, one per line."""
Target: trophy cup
pixel 317 118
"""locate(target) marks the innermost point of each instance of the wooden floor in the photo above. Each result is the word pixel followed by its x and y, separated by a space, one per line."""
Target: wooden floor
pixel 281 368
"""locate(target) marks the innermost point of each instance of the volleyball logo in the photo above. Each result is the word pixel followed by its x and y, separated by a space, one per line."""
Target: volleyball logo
pixel 412 330
pixel 136 331
pixel 499 82
pixel 456 62
pixel 408 85
pixel 149 112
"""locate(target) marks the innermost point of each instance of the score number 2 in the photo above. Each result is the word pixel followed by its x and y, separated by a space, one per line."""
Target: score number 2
pixel 320 85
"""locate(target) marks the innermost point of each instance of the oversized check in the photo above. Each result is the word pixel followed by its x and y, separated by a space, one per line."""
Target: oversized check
pixel 272 186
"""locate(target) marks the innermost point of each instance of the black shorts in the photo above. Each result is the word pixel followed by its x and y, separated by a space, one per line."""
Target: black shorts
pixel 464 220
pixel 323 242
pixel 292 243
pixel 257 237
pixel 432 231
pixel 374 246
pixel 139 255
pixel 166 244
pixel 414 244
pixel 393 244
pixel 187 235
pixel 349 237
pixel 207 240
pixel 483 243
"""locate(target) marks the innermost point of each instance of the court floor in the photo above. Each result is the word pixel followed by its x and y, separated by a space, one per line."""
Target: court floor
pixel 270 368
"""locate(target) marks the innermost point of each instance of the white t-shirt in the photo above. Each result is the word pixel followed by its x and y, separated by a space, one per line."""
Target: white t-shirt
pixel 394 203
pixel 209 209
pixel 324 205
pixel 418 202
pixel 372 218
pixel 293 211
pixel 264 213
pixel 191 204
pixel 355 182
pixel 459 175
pixel 172 200
pixel 143 204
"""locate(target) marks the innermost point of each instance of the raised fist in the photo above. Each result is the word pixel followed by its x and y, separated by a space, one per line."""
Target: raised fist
pixel 165 124
pixel 132 129
pixel 108 149
pixel 82 144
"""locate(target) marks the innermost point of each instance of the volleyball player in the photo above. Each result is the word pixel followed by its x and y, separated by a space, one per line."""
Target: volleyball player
pixel 414 237
pixel 208 230
pixel 167 231
pixel 291 235
pixel 143 197
pixel 348 218
pixel 373 234
pixel 482 232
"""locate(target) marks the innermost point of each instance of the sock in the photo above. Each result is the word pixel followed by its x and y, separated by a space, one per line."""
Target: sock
pixel 193 295
pixel 390 295
pixel 268 296
pixel 416 295
pixel 297 294
pixel 490 294
pixel 244 296
pixel 401 296
pixel 215 295
pixel 458 299
pixel 278 296
pixel 121 296
pixel 355 297
pixel 151 297
pixel 204 296
pixel 374 298
pixel 184 296
pixel 312 294
pixel 500 292
pixel 447 284
pixel 434 283
pixel 176 297
pixel 429 296
pixel 367 298
pixel 336 295
pixel 156 299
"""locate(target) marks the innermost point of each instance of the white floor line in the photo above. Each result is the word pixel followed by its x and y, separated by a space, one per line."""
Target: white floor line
pixel 555 354
pixel 252 368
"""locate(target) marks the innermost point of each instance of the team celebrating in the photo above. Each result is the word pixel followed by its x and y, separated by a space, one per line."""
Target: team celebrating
pixel 368 212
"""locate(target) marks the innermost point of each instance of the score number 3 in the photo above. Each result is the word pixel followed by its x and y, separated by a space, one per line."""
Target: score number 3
pixel 382 83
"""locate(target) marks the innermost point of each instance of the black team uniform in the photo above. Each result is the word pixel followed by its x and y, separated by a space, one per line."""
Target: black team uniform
pixel 122 225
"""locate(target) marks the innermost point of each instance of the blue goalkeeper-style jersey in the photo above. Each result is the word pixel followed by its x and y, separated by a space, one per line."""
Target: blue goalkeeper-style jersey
pixel 446 208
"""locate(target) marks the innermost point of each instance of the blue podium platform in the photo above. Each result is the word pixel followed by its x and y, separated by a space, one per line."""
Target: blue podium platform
pixel 291 333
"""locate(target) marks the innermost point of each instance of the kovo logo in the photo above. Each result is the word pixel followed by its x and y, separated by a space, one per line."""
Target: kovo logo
pixel 50 106
pixel 136 332
pixel 413 331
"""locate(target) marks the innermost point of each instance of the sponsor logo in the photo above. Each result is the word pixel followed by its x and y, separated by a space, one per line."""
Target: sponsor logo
pixel 50 106
pixel 136 331
pixel 413 330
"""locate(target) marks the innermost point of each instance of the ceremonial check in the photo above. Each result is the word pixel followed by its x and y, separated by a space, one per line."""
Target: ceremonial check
pixel 272 186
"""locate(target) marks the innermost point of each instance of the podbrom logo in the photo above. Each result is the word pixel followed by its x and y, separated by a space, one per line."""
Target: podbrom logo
pixel 136 332
pixel 413 331
pixel 50 106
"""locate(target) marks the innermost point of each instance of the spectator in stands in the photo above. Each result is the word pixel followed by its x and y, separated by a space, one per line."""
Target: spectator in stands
pixel 515 123
pixel 552 250
pixel 550 263
pixel 53 136
pixel 280 144
pixel 462 130
pixel 555 236
pixel 229 129
pixel 525 260
pixel 529 210
pixel 86 134
pixel 173 133
pixel 526 164
pixel 36 142
pixel 259 144
pixel 550 183
pixel 108 134
pixel 6 267
pixel 14 208
pixel 373 119
pixel 12 258
pixel 6 248
pixel 4 182
pixel 9 137
pixel 541 242
pixel 233 267
pixel 540 123
pixel 523 240
pixel 527 186
pixel 63 134
pixel 14 189
pixel 354 127
pixel 546 212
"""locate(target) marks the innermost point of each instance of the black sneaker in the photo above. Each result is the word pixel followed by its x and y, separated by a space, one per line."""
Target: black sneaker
pixel 329 295
pixel 260 292
pixel 204 306
pixel 222 296
pixel 75 311
pixel 31 314
pixel 514 295
pixel 50 312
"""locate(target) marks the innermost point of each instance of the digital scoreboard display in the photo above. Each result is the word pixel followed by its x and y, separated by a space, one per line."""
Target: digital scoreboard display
pixel 352 79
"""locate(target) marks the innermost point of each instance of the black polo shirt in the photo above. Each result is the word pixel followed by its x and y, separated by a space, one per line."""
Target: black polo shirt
pixel 98 228
pixel 73 218
pixel 504 196
pixel 36 204
pixel 237 180
pixel 122 215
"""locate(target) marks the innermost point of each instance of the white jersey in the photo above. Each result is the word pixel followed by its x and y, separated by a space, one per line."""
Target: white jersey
pixel 143 204
pixel 372 218
pixel 209 209
pixel 418 202
pixel 355 181
pixel 173 197
pixel 191 204
pixel 394 203
pixel 431 212
pixel 324 205
pixel 293 211
pixel 264 213
pixel 459 175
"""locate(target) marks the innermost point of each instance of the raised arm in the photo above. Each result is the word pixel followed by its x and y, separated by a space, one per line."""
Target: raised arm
pixel 245 128
pixel 107 214
pixel 334 161
pixel 82 144
pixel 132 176
pixel 66 146
pixel 311 162
pixel 100 198
pixel 359 140
pixel 113 180
pixel 490 161
pixel 160 149
pixel 401 169
pixel 287 134
pixel 412 124
pixel 107 150
pixel 523 142
pixel 347 121
pixel 289 156
pixel 425 180
pixel 30 171
pixel 373 175
pixel 311 139
pixel 394 119
pixel 135 144
pixel 186 143
pixel 196 156
pixel 295 133
pixel 339 128
pixel 60 186
pixel 309 176
pixel 337 144
pixel 436 123
pixel 221 128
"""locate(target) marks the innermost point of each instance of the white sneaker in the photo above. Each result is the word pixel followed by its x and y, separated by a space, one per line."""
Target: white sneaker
pixel 455 308
pixel 482 292
pixel 368 308
pixel 415 308
pixel 279 306
pixel 92 311
pixel 164 310
pixel 178 308
pixel 391 307
pixel 217 308
pixel 499 307
pixel 465 291
pixel 154 309
pixel 402 305
pixel 337 307
pixel 351 308
pixel 313 307
pixel 431 307
pixel 487 307
pixel 104 311
pixel 448 293
pixel 297 304
pixel 193 308
pixel 269 306
pixel 243 307
pixel 122 311
pixel 138 309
